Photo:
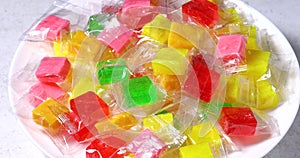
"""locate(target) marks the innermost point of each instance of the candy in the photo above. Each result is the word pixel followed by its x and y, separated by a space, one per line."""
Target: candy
pixel 267 96
pixel 158 29
pixel 139 91
pixel 69 45
pixel 97 23
pixel 169 82
pixel 53 27
pixel 231 49
pixel 198 38
pixel 207 79
pixel 196 151
pixel 116 38
pixel 112 71
pixel 257 63
pixel 43 116
pixel 202 12
pixel 154 123
pixel 53 69
pixel 90 107
pixel 169 61
pixel 135 3
pixel 146 145
pixel 204 133
pixel 123 120
pixel 101 148
pixel 238 121
pixel 41 91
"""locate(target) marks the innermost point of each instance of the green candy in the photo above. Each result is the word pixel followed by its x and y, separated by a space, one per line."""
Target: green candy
pixel 97 23
pixel 112 71
pixel 139 92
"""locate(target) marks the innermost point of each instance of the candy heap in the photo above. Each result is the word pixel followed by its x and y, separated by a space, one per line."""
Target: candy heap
pixel 154 79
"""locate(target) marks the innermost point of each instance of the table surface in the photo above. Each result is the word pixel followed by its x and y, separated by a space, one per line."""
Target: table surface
pixel 17 15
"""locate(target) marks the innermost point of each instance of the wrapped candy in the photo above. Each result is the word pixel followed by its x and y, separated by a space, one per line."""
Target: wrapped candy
pixel 149 78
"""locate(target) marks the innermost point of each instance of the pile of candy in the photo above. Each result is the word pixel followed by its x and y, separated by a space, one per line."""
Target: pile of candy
pixel 153 78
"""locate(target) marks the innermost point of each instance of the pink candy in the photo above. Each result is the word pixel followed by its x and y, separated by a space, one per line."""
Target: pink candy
pixel 117 38
pixel 231 48
pixel 135 3
pixel 53 69
pixel 53 27
pixel 146 145
pixel 41 91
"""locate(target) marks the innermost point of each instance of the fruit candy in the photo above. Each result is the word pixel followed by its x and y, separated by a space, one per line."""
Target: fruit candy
pixel 196 151
pixel 53 27
pixel 238 121
pixel 53 69
pixel 154 123
pixel 43 116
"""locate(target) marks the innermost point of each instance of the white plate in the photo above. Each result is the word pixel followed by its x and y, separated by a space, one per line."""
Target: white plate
pixel 285 114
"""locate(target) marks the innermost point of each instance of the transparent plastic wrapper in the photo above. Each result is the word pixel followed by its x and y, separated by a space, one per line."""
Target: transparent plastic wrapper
pixel 153 78
pixel 57 22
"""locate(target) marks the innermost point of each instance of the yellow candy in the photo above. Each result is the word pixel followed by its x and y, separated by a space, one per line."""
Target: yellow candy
pixel 69 45
pixel 157 122
pixel 169 82
pixel 169 61
pixel 84 85
pixel 252 44
pixel 196 151
pixel 247 31
pixel 158 29
pixel 204 133
pixel 178 35
pixel 257 63
pixel 43 116
pixel 124 120
pixel 267 97
pixel 232 89
pixel 91 50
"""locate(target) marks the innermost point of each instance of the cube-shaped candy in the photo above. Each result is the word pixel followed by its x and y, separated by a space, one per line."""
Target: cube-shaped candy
pixel 154 123
pixel 53 27
pixel 117 38
pixel 146 145
pixel 139 91
pixel 170 61
pixel 205 133
pixel 69 45
pixel 196 151
pixel 257 63
pixel 267 95
pixel 180 35
pixel 170 83
pixel 53 69
pixel 89 107
pixel 112 71
pixel 74 125
pixel 123 120
pixel 158 29
pixel 245 30
pixel 97 23
pixel 41 91
pixel 238 121
pixel 105 147
pixel 135 3
pixel 44 116
pixel 231 49
pixel 202 12
pixel 202 81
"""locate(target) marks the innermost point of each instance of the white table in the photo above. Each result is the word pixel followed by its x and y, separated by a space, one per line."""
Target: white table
pixel 17 15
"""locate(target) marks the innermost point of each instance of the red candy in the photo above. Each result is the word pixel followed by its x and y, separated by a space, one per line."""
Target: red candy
pixel 202 12
pixel 238 121
pixel 207 79
pixel 53 27
pixel 53 69
pixel 89 107
pixel 104 148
